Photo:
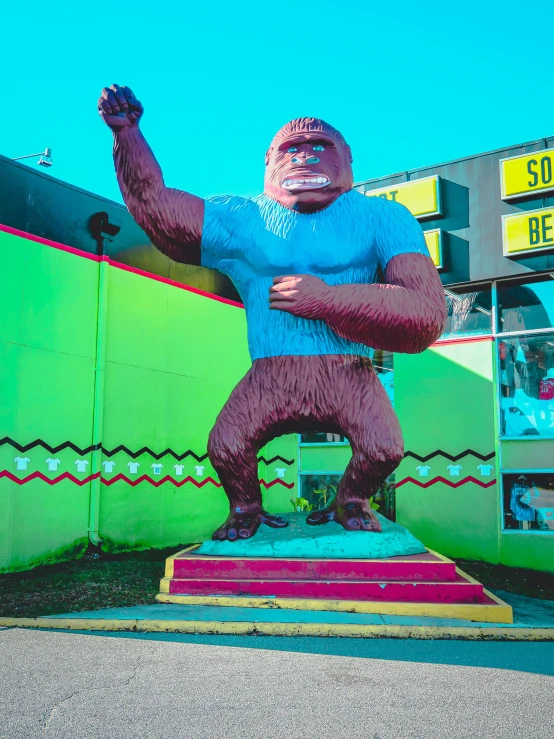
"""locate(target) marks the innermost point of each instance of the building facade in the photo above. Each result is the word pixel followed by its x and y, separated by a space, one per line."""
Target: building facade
pixel 478 408
pixel 116 361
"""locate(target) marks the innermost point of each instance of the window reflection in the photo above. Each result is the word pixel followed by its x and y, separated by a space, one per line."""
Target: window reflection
pixel 529 501
pixel 318 490
pixel 526 307
pixel 469 312
pixel 321 437
pixel 384 366
pixel 527 385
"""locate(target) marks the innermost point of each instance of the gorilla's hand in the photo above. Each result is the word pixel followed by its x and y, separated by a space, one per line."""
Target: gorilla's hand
pixel 119 107
pixel 305 296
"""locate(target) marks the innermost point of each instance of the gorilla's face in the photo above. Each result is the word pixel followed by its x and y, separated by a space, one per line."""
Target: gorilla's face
pixel 308 170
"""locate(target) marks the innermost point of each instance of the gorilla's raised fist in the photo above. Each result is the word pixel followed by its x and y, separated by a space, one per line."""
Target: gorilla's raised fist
pixel 119 107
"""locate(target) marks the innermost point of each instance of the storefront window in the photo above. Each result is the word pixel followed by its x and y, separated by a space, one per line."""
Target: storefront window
pixel 529 501
pixel 322 437
pixel 318 489
pixel 384 366
pixel 469 313
pixel 526 307
pixel 527 385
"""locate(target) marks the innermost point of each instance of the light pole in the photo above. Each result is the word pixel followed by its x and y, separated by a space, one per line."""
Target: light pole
pixel 45 157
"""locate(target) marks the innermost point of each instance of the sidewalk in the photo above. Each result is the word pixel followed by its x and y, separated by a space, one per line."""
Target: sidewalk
pixel 533 621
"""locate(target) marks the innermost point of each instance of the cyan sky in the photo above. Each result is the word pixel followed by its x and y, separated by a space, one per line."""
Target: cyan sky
pixel 408 83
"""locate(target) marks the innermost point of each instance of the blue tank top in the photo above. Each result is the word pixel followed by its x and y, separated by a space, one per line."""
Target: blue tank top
pixel 254 240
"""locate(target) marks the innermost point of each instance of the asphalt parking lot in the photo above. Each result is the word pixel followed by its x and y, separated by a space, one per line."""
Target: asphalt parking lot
pixel 91 685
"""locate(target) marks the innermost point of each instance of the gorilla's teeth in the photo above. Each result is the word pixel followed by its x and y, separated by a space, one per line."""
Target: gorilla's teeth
pixel 316 180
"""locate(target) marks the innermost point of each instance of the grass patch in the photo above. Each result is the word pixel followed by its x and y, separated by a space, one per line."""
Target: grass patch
pixel 133 578
pixel 87 584
pixel 511 579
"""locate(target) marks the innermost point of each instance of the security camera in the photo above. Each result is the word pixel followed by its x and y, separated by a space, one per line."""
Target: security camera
pixel 99 226
pixel 45 162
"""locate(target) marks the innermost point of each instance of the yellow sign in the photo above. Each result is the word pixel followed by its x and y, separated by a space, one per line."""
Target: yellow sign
pixel 527 174
pixel 531 231
pixel 421 197
pixel 433 239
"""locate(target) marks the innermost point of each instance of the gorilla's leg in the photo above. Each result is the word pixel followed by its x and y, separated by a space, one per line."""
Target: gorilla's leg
pixel 243 426
pixel 369 422
pixel 281 395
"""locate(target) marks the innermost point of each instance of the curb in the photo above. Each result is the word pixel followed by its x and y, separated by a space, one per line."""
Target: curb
pixel 366 631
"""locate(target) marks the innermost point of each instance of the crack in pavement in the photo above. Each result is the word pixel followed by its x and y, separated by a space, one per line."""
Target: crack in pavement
pixel 56 708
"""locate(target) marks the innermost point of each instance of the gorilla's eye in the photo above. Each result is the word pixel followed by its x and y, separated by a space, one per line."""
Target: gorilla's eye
pixel 291 149
pixel 318 147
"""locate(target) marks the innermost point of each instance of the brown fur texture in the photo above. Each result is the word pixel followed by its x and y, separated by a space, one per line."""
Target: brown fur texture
pixel 281 395
pixel 406 314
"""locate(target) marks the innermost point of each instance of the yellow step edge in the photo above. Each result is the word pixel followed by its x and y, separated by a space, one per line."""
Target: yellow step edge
pixel 170 561
pixel 285 629
pixel 500 613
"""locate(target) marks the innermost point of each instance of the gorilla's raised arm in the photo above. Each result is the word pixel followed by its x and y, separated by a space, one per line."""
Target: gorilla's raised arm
pixel 406 314
pixel 172 218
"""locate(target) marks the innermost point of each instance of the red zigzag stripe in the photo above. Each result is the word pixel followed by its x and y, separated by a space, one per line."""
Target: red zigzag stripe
pixel 446 482
pixel 122 478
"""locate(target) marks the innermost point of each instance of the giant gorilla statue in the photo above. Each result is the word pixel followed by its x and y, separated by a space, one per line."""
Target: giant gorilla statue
pixel 304 256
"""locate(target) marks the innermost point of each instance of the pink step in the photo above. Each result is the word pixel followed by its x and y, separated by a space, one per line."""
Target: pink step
pixel 460 590
pixel 418 567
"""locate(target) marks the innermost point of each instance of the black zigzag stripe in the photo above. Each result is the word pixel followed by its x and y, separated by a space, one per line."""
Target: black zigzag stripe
pixel 275 459
pixel 147 450
pixel 451 457
pixel 51 449
pixel 120 448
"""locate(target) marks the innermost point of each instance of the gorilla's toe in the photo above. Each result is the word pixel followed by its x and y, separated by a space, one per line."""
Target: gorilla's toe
pixel 358 516
pixel 316 518
pixel 276 522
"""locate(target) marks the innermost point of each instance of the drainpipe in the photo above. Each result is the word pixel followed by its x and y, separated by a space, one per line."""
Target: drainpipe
pixel 98 410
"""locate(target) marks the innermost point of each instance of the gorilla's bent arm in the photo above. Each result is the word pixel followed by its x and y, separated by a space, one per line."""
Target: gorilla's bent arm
pixel 406 314
pixel 172 219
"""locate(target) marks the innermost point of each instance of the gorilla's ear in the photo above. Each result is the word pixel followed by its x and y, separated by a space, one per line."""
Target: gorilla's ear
pixel 349 150
pixel 268 155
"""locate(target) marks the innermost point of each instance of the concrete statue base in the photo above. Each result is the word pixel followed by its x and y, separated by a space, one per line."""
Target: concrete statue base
pixel 330 541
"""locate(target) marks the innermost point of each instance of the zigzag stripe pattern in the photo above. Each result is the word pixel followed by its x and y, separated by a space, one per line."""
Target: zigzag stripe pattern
pixel 51 449
pixel 157 483
pixel 278 458
pixel 451 457
pixel 121 448
pixel 48 480
pixel 446 482
pixel 147 450
pixel 123 478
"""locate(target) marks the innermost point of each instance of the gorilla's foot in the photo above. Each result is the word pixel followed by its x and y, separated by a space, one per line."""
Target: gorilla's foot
pixel 354 515
pixel 244 521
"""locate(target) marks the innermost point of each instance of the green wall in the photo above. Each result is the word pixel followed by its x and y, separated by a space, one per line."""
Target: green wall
pixel 48 301
pixel 152 363
pixel 101 364
pixel 446 405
